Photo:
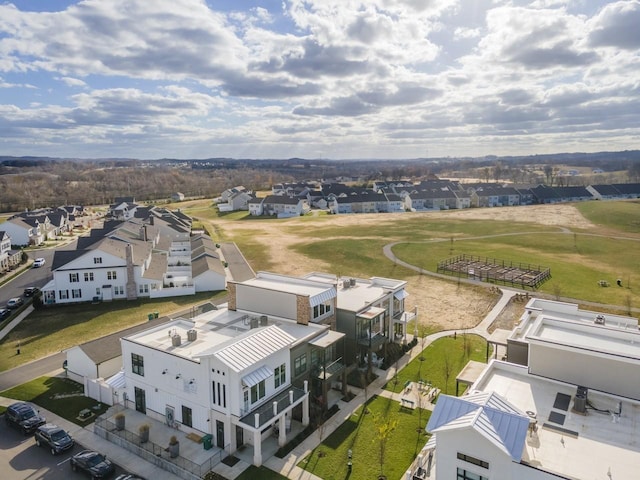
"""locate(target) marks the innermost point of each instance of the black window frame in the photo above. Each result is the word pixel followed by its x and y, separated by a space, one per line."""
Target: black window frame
pixel 137 364
pixel 187 416
pixel 473 460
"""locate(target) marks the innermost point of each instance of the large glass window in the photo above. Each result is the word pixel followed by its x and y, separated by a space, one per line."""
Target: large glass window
pixel 300 365
pixel 467 475
pixel 280 375
pixel 257 392
pixel 137 364
pixel 473 460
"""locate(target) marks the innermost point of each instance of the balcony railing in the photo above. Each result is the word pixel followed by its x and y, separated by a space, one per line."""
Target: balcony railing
pixel 332 369
pixel 265 412
pixel 374 341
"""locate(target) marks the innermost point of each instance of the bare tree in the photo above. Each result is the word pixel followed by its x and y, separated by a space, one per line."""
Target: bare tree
pixel 447 370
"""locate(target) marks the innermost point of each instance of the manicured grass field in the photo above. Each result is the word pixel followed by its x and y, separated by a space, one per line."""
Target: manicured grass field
pixel 445 354
pixel 621 216
pixel 359 433
pixel 61 396
pixel 53 329
pixel 261 473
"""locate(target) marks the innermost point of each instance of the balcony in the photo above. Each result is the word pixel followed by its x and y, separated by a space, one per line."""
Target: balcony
pixel 333 369
pixel 373 342
pixel 265 412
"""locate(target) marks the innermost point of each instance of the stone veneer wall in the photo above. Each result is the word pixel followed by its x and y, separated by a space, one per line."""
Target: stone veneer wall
pixel 303 310
pixel 232 302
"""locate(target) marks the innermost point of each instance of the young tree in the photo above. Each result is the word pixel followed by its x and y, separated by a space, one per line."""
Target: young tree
pixel 384 429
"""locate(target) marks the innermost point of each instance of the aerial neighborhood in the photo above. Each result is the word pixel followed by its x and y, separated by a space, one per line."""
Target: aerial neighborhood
pixel 258 370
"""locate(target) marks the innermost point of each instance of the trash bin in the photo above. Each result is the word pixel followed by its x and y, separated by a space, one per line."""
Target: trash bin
pixel 155 314
pixel 150 316
pixel 207 441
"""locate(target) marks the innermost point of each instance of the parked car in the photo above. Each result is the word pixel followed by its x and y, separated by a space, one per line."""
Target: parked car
pixel 4 313
pixel 39 262
pixel 129 476
pixel 24 416
pixel 14 302
pixel 93 463
pixel 53 437
pixel 31 291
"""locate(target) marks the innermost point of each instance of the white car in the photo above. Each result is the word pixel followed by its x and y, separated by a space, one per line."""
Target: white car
pixel 38 262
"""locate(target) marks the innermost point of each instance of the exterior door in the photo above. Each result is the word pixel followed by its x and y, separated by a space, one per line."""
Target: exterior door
pixel 141 400
pixel 239 436
pixel 219 434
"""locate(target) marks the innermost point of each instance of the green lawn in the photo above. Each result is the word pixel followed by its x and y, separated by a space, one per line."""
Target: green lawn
pixel 53 329
pixel 359 433
pixel 622 216
pixel 261 473
pixel 577 261
pixel 433 367
pixel 61 396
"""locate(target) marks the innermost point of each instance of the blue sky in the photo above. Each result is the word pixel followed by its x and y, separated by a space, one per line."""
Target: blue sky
pixel 318 78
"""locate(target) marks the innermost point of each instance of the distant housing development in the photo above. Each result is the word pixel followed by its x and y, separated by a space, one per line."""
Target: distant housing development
pixel 293 199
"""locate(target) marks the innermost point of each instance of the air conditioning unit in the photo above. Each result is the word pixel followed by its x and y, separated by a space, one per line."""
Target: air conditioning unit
pixel 176 340
pixel 192 335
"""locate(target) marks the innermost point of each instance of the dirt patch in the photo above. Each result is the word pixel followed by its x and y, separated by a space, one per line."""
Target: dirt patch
pixel 443 305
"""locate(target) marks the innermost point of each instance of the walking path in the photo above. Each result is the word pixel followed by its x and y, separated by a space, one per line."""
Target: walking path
pixel 288 466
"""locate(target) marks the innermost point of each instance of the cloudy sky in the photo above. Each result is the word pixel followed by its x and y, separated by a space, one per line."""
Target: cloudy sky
pixel 318 78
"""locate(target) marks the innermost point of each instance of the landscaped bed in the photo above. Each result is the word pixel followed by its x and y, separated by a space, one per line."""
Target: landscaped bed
pixel 359 433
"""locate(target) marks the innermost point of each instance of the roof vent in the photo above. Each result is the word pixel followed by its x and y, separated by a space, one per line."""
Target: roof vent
pixel 192 335
pixel 264 320
pixel 176 340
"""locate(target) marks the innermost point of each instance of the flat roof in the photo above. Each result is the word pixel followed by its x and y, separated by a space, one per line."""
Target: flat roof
pixel 582 446
pixel 282 283
pixel 363 291
pixel 587 336
pixel 217 329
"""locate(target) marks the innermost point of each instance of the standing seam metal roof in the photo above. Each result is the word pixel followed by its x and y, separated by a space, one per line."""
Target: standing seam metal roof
pixel 253 349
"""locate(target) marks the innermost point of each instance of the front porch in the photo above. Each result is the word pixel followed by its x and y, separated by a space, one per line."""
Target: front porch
pixel 274 416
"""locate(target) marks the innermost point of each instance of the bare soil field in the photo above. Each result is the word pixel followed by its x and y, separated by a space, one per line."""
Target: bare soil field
pixel 441 304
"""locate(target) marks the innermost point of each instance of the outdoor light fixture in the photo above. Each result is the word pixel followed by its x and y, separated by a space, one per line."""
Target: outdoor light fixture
pixel 178 376
pixel 164 372
pixel 192 381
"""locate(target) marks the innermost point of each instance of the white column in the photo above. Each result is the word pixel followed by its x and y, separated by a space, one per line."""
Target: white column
pixel 282 433
pixel 305 410
pixel 257 448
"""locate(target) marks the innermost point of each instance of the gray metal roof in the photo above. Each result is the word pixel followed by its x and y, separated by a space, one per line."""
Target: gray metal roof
pixel 255 348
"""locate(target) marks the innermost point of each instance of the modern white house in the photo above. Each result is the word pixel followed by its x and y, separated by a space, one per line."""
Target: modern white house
pixel 25 231
pixel 142 257
pixel 571 411
pixel 8 257
pixel 262 364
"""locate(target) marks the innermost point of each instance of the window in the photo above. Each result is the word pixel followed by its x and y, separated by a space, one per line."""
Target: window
pixel 74 277
pixel 97 260
pixel 213 391
pixel 257 392
pixel 300 365
pixel 144 288
pixel 76 293
pixel 88 276
pixel 63 294
pixel 97 290
pixel 466 475
pixel 280 375
pixel 118 290
pixel 111 275
pixel 321 309
pixel 137 364
pixel 187 416
pixel 475 461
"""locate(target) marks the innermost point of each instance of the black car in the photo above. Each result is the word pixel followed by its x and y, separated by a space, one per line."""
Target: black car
pixel 31 291
pixel 24 416
pixel 53 437
pixel 4 313
pixel 93 463
pixel 128 476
